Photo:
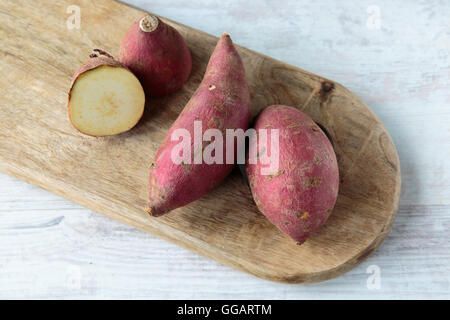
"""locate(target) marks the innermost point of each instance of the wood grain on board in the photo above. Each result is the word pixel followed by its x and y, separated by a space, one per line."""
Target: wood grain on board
pixel 110 175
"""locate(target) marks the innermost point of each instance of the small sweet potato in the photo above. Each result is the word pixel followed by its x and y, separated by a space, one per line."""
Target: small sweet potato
pixel 299 196
pixel 220 102
pixel 105 98
pixel 157 54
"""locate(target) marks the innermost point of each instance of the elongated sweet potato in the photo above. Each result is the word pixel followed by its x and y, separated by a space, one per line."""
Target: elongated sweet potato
pixel 157 54
pixel 221 102
pixel 299 195
pixel 105 98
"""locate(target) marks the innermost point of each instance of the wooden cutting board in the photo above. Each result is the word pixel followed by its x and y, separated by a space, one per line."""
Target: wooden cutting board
pixel 39 54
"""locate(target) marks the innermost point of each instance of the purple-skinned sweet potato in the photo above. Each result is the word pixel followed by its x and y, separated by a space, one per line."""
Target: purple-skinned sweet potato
pixel 220 102
pixel 300 194
pixel 157 54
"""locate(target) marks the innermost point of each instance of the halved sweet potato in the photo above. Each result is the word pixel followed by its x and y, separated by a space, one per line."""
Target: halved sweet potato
pixel 105 98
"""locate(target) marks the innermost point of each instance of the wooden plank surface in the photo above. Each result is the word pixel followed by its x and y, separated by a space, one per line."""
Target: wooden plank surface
pixel 110 175
pixel 408 89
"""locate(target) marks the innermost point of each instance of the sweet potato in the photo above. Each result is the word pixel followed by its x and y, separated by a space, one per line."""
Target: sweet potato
pixel 157 54
pixel 300 194
pixel 105 98
pixel 220 102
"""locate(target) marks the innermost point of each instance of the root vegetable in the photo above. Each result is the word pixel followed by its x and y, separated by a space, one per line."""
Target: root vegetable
pixel 299 196
pixel 220 102
pixel 157 54
pixel 105 98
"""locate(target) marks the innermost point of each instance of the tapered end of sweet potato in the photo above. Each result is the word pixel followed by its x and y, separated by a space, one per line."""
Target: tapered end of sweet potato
pixel 225 38
pixel 148 23
pixel 154 211
pixel 223 48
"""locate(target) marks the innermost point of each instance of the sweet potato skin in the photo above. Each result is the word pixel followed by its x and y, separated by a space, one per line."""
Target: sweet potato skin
pixel 299 197
pixel 221 101
pixel 161 59
pixel 95 60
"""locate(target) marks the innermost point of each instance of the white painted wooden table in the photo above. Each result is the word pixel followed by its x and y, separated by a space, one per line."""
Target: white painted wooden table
pixel 394 55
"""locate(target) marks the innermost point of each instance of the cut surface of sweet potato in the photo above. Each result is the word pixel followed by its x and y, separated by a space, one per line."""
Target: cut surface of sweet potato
pixel 106 100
